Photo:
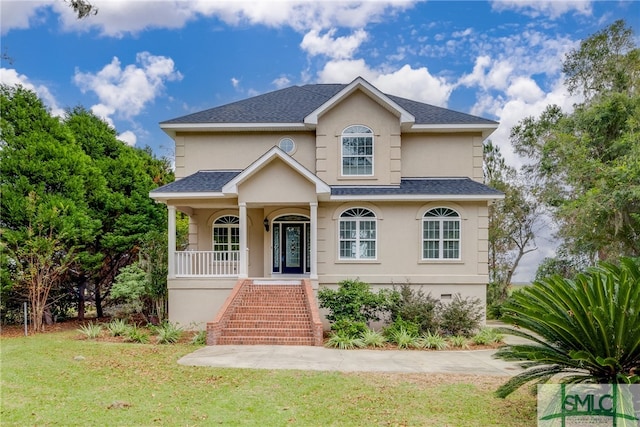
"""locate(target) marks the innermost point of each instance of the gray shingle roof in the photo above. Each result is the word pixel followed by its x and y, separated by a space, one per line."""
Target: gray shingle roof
pixel 421 186
pixel 201 181
pixel 213 181
pixel 293 104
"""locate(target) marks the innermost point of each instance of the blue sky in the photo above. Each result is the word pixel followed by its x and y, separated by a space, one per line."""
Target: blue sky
pixel 137 63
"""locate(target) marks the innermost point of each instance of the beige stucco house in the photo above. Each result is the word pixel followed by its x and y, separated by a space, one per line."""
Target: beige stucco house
pixel 319 183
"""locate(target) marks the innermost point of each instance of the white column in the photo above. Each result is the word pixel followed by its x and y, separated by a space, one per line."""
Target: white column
pixel 313 209
pixel 244 250
pixel 171 259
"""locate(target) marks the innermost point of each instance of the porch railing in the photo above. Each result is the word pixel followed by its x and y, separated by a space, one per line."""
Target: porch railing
pixel 207 263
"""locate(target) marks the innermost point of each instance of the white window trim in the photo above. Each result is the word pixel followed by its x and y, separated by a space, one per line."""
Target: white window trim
pixel 357 220
pixel 228 227
pixel 369 135
pixel 440 220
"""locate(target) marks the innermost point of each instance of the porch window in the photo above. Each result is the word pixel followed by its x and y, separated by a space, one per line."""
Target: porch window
pixel 358 234
pixel 357 151
pixel 226 237
pixel 441 234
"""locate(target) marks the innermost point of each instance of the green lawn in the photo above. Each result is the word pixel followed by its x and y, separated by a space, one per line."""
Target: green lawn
pixel 120 384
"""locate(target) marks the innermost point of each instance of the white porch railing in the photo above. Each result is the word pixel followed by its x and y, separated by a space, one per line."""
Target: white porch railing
pixel 207 263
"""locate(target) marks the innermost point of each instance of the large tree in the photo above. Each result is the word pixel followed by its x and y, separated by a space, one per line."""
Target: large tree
pixel 587 162
pixel 96 185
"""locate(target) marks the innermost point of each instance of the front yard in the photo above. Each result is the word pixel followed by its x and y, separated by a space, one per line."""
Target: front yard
pixel 60 379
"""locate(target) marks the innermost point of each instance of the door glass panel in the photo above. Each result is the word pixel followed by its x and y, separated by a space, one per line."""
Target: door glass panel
pixel 276 247
pixel 292 246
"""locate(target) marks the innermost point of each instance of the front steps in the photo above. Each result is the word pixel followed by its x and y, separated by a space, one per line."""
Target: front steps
pixel 269 313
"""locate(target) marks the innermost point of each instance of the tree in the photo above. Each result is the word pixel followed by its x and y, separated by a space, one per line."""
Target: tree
pixel 587 163
pixel 512 222
pixel 585 330
pixel 45 179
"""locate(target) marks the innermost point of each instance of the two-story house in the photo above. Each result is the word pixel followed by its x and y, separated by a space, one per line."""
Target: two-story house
pixel 314 184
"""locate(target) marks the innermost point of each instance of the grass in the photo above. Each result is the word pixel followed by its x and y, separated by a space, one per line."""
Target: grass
pixel 44 382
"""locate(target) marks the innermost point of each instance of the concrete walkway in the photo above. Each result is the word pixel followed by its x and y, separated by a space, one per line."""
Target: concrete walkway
pixel 477 362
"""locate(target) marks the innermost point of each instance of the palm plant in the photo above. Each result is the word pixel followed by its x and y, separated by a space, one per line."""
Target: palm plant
pixel 585 330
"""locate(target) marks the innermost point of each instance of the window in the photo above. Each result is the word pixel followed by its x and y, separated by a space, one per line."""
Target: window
pixel 441 234
pixel 287 145
pixel 357 151
pixel 357 234
pixel 226 236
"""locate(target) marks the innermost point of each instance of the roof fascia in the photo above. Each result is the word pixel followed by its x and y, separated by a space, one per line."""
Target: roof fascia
pixel 172 128
pixel 174 195
pixel 406 118
pixel 231 187
pixel 418 197
pixel 486 129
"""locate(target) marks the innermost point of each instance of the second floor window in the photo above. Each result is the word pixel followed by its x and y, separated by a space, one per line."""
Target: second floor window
pixel 357 151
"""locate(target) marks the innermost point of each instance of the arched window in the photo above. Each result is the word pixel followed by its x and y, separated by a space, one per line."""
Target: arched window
pixel 357 234
pixel 357 151
pixel 441 234
pixel 226 234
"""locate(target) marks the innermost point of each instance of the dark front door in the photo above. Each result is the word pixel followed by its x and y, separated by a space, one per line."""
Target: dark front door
pixel 292 248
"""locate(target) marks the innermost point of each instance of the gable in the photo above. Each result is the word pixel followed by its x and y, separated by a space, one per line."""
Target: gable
pixel 276 183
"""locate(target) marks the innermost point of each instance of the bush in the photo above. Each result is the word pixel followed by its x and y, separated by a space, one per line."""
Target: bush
pixel 344 342
pixel 199 338
pixel 461 316
pixel 371 338
pixel 412 304
pixel 433 340
pixel 168 333
pixel 118 327
pixel 90 330
pixel 487 336
pixel 138 335
pixel 458 341
pixel 409 327
pixel 403 339
pixel 349 328
pixel 354 300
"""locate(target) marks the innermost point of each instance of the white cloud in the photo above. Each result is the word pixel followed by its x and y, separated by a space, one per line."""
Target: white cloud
pixel 20 14
pixel 125 92
pixel 281 82
pixel 10 76
pixel 235 82
pixel 116 18
pixel 128 137
pixel 417 84
pixel 551 8
pixel 338 48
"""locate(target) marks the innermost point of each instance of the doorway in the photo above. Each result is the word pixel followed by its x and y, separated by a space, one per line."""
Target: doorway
pixel 291 246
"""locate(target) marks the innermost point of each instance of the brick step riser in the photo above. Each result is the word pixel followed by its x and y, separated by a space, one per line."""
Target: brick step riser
pixel 254 309
pixel 271 301
pixel 263 341
pixel 269 324
pixel 268 317
pixel 267 332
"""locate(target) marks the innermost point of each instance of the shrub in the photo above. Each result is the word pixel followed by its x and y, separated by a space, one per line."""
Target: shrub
pixel 409 327
pixel 433 340
pixel 585 330
pixel 458 341
pixel 117 327
pixel 344 342
pixel 91 330
pixel 371 338
pixel 487 336
pixel 199 338
pixel 420 308
pixel 349 327
pixel 130 287
pixel 168 333
pixel 403 339
pixel 355 301
pixel 461 316
pixel 137 334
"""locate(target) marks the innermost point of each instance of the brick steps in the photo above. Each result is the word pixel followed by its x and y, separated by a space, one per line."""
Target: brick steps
pixel 268 314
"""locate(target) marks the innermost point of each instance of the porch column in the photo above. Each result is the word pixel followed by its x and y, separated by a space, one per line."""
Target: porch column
pixel 313 210
pixel 171 259
pixel 244 258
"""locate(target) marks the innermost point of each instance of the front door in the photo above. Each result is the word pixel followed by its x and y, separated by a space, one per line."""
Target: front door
pixel 292 248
